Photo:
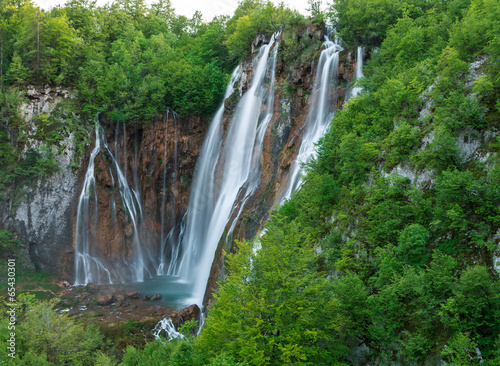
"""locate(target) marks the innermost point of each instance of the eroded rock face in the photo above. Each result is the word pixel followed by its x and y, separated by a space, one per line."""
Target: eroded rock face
pixel 43 220
pixel 157 159
pixel 192 312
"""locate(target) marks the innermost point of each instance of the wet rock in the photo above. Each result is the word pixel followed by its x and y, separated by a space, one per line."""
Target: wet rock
pixel 91 288
pixel 133 295
pixel 156 297
pixel 192 312
pixel 105 299
pixel 260 40
pixel 128 230
pixel 146 298
pixel 64 284
pixel 120 298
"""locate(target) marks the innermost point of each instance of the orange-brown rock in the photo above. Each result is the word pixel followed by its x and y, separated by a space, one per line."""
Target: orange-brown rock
pixel 191 312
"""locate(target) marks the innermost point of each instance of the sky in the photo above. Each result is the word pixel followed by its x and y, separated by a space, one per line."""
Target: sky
pixel 209 8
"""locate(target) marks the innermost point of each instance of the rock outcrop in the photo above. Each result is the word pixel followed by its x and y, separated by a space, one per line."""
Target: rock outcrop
pixel 43 218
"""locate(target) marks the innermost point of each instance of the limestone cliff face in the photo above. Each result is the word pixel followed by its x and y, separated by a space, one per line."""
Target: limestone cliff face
pixel 43 219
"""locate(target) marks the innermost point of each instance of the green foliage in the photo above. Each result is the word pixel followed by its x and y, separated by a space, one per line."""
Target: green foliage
pixel 44 337
pixel 8 244
pixel 135 58
pixel 279 297
pixel 57 337
pixel 413 245
pixel 251 18
pixel 406 258
pixel 174 353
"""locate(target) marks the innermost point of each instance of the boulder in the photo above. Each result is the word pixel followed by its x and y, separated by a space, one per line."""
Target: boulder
pixel 156 297
pixel 192 312
pixel 146 298
pixel 64 284
pixel 105 299
pixel 133 295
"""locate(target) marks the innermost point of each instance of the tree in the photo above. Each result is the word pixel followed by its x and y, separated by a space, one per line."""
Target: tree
pixel 267 312
pixel 163 9
pixel 18 73
pixel 58 337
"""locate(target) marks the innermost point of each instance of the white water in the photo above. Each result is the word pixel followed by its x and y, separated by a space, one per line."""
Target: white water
pixel 359 72
pixel 167 241
pixel 89 264
pixel 169 328
pixel 227 172
pixel 88 268
pixel 320 113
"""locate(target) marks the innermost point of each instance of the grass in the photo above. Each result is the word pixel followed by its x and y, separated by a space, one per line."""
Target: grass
pixel 40 284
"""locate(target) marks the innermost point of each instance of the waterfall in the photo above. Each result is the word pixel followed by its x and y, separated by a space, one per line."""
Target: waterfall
pixel 359 72
pixel 168 241
pixel 169 328
pixel 202 195
pixel 320 113
pixel 90 266
pixel 227 172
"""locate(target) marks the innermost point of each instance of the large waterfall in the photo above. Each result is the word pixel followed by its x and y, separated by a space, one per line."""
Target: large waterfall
pixel 202 190
pixel 228 172
pixel 90 263
pixel 320 113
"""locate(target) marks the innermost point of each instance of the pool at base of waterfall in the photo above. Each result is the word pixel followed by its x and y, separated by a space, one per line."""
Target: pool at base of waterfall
pixel 175 292
pixel 108 305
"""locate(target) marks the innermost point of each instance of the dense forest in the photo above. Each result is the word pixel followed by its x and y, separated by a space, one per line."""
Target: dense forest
pixel 387 255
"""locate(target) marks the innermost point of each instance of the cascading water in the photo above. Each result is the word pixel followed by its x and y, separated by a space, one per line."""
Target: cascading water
pixel 227 172
pixel 320 114
pixel 359 72
pixel 90 266
pixel 202 198
pixel 168 327
pixel 167 241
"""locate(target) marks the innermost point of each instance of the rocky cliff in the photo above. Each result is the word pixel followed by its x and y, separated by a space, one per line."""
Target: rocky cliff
pixel 43 217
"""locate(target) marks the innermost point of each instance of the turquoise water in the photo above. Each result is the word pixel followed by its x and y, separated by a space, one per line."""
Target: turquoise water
pixel 176 294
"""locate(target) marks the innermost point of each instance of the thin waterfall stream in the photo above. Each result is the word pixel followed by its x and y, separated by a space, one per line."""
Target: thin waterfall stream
pixel 320 113
pixel 90 262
